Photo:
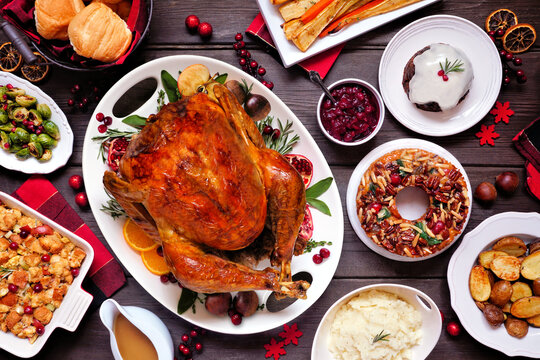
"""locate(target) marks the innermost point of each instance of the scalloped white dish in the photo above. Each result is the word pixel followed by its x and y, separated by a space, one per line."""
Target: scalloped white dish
pixel 363 165
pixel 61 153
pixel 431 320
pixel 462 34
pixel 73 306
pixel 325 227
pixel 526 226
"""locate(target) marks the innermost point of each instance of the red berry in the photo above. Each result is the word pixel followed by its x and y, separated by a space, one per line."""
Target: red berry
pixel 13 288
pixel 441 72
pixel 506 80
pixel 453 328
pixel 75 272
pixel 438 227
pixel 325 253
pixel 198 347
pixel 38 287
pixel 395 179
pixel 76 182
pixel 13 129
pixel 164 278
pixel 192 22
pixel 102 128
pixel 6 145
pixel 186 351
pixel 261 71
pixel 518 61
pixel 95 90
pixel 185 338
pixel 270 85
pixel 522 79
pixel 243 53
pixel 499 32
pixel 502 53
pixel 253 64
pixel 375 206
pixel 520 73
pixel 107 120
pixel 85 101
pixel 445 77
pixel 9 86
pixel 100 117
pixel 81 199
pixel 181 347
pixel 76 88
pixel 13 245
pixel 276 134
pixel 205 29
pixel 235 46
pixel 267 130
pixel 80 106
pixel 28 310
pixel 491 33
pixel 509 56
pixel 193 333
pixel 242 62
pixel 236 319
pixel 317 258
pixel 241 44
pixel 40 330
pixel 70 102
pixel 45 258
pixel 493 38
pixel 171 277
pixel 248 54
pixel 238 37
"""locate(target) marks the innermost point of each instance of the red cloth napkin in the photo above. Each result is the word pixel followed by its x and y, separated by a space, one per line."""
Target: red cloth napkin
pixel 21 14
pixel 105 275
pixel 527 142
pixel 320 63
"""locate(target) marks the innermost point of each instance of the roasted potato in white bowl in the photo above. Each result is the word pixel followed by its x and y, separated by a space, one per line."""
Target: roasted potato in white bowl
pixel 492 277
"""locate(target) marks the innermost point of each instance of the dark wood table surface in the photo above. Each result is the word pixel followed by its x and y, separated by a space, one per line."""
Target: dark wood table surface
pixel 358 265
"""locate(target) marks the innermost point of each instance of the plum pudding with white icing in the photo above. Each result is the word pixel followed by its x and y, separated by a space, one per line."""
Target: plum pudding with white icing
pixel 438 77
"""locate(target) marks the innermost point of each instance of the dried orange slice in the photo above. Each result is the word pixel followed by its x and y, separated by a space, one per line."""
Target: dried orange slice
pixel 37 72
pixel 10 58
pixel 154 263
pixel 136 238
pixel 519 38
pixel 501 19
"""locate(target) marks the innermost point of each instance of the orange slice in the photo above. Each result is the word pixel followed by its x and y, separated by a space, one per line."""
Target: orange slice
pixel 37 72
pixel 519 38
pixel 136 238
pixel 10 58
pixel 500 19
pixel 154 263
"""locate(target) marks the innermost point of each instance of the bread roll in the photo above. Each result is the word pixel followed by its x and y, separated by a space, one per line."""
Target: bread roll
pixel 98 33
pixel 54 16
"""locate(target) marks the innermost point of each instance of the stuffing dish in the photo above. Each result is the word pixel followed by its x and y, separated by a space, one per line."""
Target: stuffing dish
pixel 37 266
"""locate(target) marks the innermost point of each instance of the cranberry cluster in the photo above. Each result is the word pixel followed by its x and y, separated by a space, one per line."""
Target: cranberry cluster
pixel 76 183
pixel 248 64
pixel 106 120
pixel 507 58
pixel 190 343
pixel 83 96
pixel 324 253
pixel 193 24
pixel 268 130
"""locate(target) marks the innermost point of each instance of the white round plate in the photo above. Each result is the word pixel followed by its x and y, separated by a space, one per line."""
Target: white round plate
pixel 431 320
pixel 526 226
pixel 61 152
pixel 363 165
pixel 462 34
pixel 327 228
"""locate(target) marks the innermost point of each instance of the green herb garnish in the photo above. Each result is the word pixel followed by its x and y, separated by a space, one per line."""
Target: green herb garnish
pixel 373 188
pixel 135 120
pixel 312 244
pixel 380 337
pixel 5 272
pixel 455 66
pixel 109 135
pixel 384 213
pixel 160 99
pixel 170 85
pixel 187 300
pixel 282 144
pixel 430 240
pixel 221 78
pixel 113 208
pixel 317 190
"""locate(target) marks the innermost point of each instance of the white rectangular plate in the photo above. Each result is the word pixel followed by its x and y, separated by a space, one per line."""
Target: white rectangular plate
pixel 291 55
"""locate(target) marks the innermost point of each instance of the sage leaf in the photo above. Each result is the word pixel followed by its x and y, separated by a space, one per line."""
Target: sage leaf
pixel 187 299
pixel 319 188
pixel 319 205
pixel 135 121
pixel 221 78
pixel 170 85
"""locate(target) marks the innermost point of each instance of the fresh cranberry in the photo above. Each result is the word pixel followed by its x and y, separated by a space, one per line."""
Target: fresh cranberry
pixel 499 32
pixel 172 279
pixel 193 333
pixel 441 72
pixel 102 128
pixel 235 46
pixel 520 73
pixel 241 45
pixel 81 199
pixel 95 90
pixel 243 53
pixel 28 310
pixel 186 351
pixel 242 62
pixel 13 288
pixel 506 80
pixel 518 61
pixel 40 330
pixel 253 64
pixel 509 57
pixel 445 77
pixel 502 53
pixel 164 278
pixel 325 253
pixel 375 206
pixel 261 71
pixel 38 287
pixel 181 347
pixel 198 347
pixel 13 245
pixel 81 106
pixel 248 54
pixel 276 134
pixel 45 258
pixel 205 30
pixel 6 146
pixel 75 272
pixel 395 179
pixel 13 129
pixel 491 33
pixel 9 86
pixel 85 100
pixel 522 79
pixel 317 258
pixel 185 338
pixel 270 85
pixel 236 319
pixel 267 130
pixel 438 227
pixel 192 22
pixel 75 182
pixel 453 328
pixel 100 117
pixel 107 120
pixel 238 37
pixel 76 88
pixel 71 102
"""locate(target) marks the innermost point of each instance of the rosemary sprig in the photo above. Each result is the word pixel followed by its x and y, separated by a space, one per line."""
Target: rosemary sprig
pixel 113 208
pixel 5 272
pixel 380 337
pixel 455 66
pixel 247 88
pixel 109 135
pixel 160 99
pixel 282 144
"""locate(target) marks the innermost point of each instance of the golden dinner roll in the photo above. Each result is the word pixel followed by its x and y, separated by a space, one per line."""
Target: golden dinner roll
pixel 53 17
pixel 114 7
pixel 98 33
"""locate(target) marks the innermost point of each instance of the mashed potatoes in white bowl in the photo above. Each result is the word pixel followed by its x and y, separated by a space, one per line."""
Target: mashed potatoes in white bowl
pixel 379 322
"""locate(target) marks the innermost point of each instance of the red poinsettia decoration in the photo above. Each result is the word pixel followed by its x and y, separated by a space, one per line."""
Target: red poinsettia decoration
pixel 274 349
pixel 502 112
pixel 487 134
pixel 290 334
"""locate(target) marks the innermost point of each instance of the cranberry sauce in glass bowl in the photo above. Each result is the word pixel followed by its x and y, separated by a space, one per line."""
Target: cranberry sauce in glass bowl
pixel 357 115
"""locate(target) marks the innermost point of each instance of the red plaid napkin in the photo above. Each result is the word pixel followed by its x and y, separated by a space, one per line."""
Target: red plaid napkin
pixel 320 63
pixel 105 275
pixel 527 142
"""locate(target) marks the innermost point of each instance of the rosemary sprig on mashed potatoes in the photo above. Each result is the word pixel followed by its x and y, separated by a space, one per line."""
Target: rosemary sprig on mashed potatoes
pixel 380 337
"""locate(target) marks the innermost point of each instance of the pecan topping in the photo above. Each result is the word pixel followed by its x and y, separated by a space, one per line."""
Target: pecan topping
pixel 440 197
pixel 433 182
pixel 390 190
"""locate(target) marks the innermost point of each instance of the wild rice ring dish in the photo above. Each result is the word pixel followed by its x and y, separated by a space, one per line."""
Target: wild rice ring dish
pixel 446 213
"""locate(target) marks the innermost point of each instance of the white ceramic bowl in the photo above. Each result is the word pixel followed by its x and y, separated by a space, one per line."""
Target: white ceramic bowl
pixel 526 226
pixel 60 154
pixel 363 165
pixel 73 306
pixel 431 320
pixel 368 87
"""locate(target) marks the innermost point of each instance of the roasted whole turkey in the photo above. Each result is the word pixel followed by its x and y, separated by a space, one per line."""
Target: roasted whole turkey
pixel 200 181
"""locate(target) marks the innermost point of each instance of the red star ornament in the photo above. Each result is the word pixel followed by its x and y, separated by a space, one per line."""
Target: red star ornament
pixel 487 134
pixel 274 349
pixel 291 334
pixel 502 112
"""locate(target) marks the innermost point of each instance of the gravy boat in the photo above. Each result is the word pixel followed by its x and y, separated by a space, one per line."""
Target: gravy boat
pixel 147 322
